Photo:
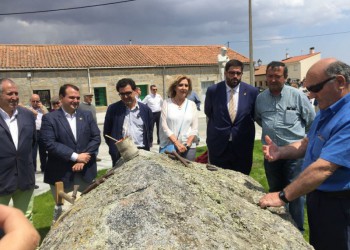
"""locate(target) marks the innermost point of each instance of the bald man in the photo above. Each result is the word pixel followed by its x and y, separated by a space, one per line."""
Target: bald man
pixel 39 110
pixel 326 169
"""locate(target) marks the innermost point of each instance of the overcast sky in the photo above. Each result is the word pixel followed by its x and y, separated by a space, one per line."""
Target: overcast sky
pixel 323 24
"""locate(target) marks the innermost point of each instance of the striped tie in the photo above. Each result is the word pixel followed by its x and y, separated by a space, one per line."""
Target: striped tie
pixel 231 107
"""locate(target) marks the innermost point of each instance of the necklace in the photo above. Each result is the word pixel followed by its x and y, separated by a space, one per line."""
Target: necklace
pixel 177 103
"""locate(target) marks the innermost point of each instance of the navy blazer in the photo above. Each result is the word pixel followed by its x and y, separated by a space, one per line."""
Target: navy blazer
pixel 219 125
pixel 16 166
pixel 58 139
pixel 113 126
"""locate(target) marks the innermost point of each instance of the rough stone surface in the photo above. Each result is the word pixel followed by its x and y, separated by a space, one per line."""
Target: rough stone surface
pixel 153 202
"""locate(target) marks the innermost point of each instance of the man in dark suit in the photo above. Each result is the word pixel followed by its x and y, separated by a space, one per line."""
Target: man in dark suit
pixel 128 118
pixel 71 138
pixel 229 106
pixel 18 136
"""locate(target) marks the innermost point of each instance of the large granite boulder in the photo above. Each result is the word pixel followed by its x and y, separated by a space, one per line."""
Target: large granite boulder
pixel 153 202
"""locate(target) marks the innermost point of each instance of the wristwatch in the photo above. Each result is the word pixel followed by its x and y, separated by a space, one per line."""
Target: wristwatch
pixel 282 196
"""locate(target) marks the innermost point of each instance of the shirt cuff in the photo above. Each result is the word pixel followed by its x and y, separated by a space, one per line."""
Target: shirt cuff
pixel 74 157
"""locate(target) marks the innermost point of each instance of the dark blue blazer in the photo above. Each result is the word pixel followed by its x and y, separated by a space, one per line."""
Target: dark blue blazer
pixel 113 126
pixel 58 139
pixel 16 166
pixel 219 125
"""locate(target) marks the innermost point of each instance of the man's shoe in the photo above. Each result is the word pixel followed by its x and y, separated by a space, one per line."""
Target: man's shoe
pixel 36 187
pixel 98 159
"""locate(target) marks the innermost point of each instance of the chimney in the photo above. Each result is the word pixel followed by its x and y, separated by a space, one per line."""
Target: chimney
pixel 287 55
pixel 312 50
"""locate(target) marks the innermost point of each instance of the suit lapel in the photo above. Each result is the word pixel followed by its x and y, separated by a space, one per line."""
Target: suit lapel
pixel 65 124
pixel 7 130
pixel 223 96
pixel 20 126
pixel 242 98
pixel 80 123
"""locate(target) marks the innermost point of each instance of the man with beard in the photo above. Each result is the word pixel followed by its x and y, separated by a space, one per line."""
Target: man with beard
pixel 128 118
pixel 229 106
pixel 285 115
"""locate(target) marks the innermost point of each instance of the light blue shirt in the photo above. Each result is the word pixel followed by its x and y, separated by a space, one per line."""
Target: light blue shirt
pixel 133 125
pixel 329 139
pixel 286 118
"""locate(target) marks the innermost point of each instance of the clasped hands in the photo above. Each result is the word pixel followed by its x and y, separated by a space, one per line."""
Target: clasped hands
pixel 83 158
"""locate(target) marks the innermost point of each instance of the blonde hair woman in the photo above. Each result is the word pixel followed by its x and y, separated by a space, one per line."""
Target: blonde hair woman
pixel 179 120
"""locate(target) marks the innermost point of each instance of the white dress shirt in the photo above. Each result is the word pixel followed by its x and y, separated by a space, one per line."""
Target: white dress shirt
pixel 12 125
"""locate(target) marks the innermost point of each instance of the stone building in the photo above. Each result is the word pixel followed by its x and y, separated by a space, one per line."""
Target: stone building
pixel 43 69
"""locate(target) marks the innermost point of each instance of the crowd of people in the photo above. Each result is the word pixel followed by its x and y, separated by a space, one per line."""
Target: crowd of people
pixel 305 153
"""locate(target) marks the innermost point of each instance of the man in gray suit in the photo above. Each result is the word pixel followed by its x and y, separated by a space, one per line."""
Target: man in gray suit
pixel 18 136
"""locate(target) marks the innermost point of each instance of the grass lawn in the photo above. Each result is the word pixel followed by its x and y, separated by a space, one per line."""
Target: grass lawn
pixel 44 204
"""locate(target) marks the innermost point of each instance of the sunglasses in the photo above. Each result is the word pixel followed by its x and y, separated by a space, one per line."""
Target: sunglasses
pixel 126 94
pixel 154 89
pixel 319 86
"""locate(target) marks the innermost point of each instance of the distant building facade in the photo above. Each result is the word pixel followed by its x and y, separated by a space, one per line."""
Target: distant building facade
pixel 42 69
pixel 297 67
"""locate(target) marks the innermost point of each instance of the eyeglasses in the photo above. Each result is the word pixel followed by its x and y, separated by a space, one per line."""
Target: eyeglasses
pixel 232 73
pixel 126 94
pixel 319 86
pixel 55 103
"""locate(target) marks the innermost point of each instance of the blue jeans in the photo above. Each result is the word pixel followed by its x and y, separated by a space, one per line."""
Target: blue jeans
pixel 280 174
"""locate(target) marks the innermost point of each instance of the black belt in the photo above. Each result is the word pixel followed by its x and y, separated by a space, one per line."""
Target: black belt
pixel 141 147
pixel 337 194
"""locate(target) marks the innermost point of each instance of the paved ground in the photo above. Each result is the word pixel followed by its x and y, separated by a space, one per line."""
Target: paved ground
pixel 106 160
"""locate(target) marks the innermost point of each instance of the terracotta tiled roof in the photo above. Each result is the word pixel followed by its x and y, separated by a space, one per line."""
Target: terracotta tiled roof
pixel 261 70
pixel 96 56
pixel 298 58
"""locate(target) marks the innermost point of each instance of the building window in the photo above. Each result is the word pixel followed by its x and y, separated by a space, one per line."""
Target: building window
pixel 144 89
pixel 100 96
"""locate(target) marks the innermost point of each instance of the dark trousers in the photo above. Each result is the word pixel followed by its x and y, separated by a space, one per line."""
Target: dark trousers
pixel 155 120
pixel 329 220
pixel 280 174
pixel 231 159
pixel 42 153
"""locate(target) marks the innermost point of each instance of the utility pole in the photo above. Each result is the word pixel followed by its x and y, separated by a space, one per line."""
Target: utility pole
pixel 251 58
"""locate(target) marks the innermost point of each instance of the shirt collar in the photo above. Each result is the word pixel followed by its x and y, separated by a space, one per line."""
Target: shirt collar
pixel 335 107
pixel 235 89
pixel 4 115
pixel 69 115
pixel 283 91
pixel 136 107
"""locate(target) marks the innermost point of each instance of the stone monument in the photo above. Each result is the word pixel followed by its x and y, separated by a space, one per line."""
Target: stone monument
pixel 222 60
pixel 155 202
